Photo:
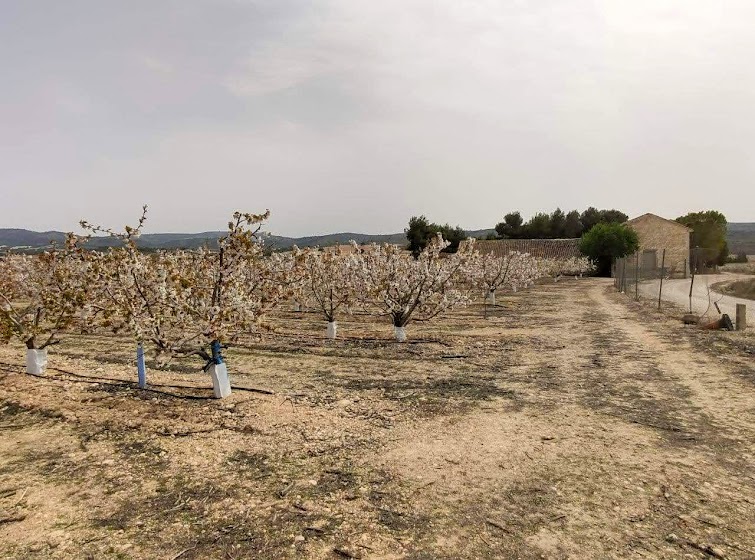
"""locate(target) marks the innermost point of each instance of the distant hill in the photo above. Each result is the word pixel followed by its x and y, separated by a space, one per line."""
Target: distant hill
pixel 23 239
pixel 741 238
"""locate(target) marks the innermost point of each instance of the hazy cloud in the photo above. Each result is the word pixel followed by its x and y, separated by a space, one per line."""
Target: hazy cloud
pixel 349 115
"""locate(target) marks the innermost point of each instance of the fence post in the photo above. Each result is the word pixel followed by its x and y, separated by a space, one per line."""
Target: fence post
pixel 637 276
pixel 741 316
pixel 660 289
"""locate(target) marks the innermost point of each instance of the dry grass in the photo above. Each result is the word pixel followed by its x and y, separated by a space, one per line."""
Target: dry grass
pixel 737 288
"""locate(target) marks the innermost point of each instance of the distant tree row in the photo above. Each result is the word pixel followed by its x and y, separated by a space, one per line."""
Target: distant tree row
pixel 556 225
pixel 421 231
pixel 708 241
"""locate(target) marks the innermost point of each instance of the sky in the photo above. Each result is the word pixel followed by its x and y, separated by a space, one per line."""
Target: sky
pixel 351 115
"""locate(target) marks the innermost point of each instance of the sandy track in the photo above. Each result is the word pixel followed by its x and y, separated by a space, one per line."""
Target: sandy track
pixel 677 291
pixel 574 426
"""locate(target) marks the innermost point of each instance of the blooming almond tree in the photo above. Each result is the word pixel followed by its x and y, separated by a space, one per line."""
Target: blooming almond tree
pixel 131 289
pixel 406 288
pixel 190 302
pixel 567 266
pixel 575 266
pixel 332 281
pixel 41 296
pixel 511 272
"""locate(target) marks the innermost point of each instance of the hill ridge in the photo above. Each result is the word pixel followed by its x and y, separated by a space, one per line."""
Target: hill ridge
pixel 740 237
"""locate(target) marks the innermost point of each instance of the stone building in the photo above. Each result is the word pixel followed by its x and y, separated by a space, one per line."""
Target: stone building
pixel 656 234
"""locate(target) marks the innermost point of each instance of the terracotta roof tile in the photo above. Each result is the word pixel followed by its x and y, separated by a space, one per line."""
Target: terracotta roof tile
pixel 540 248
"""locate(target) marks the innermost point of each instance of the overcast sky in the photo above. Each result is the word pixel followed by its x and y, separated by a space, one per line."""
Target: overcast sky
pixel 349 115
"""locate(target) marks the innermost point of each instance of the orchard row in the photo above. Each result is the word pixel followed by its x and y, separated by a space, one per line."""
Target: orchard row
pixel 192 301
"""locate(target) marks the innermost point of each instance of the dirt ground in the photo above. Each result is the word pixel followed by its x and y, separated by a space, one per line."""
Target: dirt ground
pixel 572 423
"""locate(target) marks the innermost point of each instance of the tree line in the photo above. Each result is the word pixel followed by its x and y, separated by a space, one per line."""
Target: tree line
pixel 609 238
pixel 556 225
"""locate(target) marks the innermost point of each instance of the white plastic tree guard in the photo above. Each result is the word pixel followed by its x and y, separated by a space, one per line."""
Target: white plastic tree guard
pixel 400 333
pixel 221 383
pixel 332 329
pixel 36 361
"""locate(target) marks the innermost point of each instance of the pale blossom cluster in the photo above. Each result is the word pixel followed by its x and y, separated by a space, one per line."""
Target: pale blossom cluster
pixel 42 295
pixel 181 301
pixel 333 281
pixel 404 288
pixel 511 272
pixel 570 266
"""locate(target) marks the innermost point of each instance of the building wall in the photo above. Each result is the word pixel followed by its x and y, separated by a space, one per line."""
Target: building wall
pixel 656 233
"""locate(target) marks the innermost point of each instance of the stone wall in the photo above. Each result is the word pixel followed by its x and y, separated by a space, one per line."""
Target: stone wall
pixel 656 233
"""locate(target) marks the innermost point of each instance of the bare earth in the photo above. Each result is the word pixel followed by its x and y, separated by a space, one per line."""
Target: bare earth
pixel 571 424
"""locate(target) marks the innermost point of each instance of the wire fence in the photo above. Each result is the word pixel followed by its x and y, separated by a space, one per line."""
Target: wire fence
pixel 657 264
pixel 641 276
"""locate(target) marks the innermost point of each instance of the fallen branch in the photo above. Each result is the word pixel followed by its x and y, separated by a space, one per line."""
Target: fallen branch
pixel 284 491
pixel 184 551
pixel 8 492
pixel 706 548
pixel 497 525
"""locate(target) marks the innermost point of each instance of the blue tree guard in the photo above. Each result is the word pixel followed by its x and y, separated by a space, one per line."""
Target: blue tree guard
pixel 140 367
pixel 217 357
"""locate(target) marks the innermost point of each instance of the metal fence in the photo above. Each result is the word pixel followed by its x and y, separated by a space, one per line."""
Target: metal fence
pixel 630 271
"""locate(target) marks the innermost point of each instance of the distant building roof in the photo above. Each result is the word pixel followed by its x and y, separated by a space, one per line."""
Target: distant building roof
pixel 540 248
pixel 655 216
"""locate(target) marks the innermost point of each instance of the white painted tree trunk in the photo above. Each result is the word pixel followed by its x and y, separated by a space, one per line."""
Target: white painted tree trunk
pixel 514 288
pixel 332 329
pixel 221 383
pixel 400 333
pixel 297 307
pixel 36 361
pixel 492 298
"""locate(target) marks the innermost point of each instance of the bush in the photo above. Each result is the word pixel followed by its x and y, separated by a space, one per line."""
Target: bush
pixel 606 242
pixel 738 258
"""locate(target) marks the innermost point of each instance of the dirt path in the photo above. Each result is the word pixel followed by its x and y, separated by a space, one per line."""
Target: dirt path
pixel 677 291
pixel 568 425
